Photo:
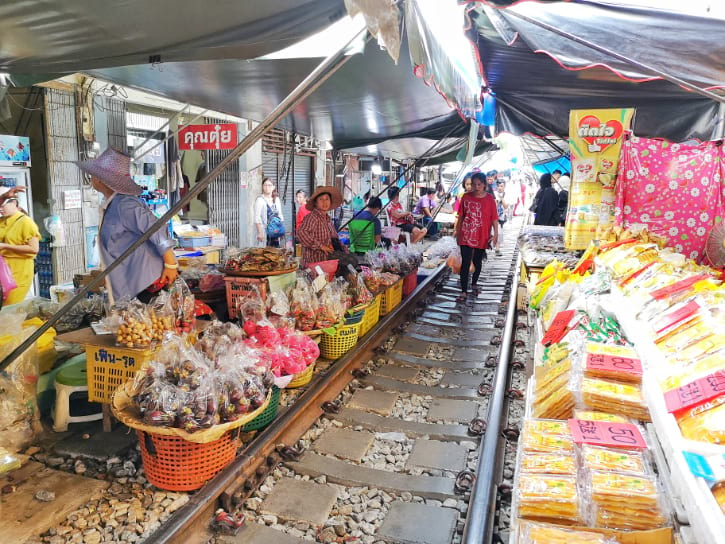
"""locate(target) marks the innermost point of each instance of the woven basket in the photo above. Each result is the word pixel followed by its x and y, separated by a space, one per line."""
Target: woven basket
pixel 344 339
pixel 267 416
pixel 302 378
pixel 174 464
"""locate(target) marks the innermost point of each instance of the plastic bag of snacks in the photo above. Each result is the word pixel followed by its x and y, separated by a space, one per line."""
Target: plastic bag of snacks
pixel 133 326
pixel 163 318
pixel 219 338
pixel 303 304
pixel 372 280
pixel 361 295
pixel 182 301
pixel 251 307
pixel 332 307
pixel 212 281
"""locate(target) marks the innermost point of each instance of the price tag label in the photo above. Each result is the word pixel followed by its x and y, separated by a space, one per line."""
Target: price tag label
pixel 614 363
pixel 558 327
pixel 605 433
pixel 678 286
pixel 696 392
pixel 320 281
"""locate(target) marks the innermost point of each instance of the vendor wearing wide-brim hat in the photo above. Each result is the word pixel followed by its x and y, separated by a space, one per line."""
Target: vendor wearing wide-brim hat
pixel 125 218
pixel 317 231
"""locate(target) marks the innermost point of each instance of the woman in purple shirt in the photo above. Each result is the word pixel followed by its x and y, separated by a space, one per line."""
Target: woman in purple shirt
pixel 125 218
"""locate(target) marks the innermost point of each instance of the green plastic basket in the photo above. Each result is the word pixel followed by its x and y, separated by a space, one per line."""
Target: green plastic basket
pixel 267 416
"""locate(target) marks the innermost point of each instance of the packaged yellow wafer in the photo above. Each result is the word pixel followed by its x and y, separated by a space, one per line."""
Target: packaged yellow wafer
pixel 613 459
pixel 546 497
pixel 548 463
pixel 541 533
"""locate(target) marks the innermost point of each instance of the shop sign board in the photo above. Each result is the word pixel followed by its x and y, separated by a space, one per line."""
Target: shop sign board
pixel 208 137
pixel 72 199
pixel 14 150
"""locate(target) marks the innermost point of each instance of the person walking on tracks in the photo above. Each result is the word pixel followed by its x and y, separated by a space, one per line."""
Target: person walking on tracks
pixel 476 217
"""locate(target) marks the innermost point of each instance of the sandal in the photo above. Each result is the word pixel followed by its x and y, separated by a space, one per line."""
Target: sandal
pixel 474 290
pixel 461 297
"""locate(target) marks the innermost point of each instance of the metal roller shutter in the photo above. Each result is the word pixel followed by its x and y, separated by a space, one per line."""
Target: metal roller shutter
pixel 223 196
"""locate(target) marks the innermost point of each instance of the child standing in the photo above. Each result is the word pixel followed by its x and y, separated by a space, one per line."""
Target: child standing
pixel 476 217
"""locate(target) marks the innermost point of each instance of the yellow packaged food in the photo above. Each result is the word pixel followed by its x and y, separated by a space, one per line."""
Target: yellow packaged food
pixel 546 497
pixel 547 426
pixel 540 533
pixel 719 492
pixel 591 415
pixel 548 463
pixel 706 422
pixel 600 458
pixel 625 501
pixel 544 443
pixel 614 397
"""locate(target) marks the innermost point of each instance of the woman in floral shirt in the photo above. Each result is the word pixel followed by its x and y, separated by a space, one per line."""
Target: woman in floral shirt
pixel 476 216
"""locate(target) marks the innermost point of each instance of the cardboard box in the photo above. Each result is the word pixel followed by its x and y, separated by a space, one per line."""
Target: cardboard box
pixel 81 280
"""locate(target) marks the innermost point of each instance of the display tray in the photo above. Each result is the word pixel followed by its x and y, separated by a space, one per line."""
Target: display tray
pixel 257 274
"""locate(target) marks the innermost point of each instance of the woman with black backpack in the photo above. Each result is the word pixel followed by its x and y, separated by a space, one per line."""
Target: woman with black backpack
pixel 268 218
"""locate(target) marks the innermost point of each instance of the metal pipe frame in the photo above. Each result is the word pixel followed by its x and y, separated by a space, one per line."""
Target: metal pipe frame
pixel 313 81
pixel 168 136
pixel 482 505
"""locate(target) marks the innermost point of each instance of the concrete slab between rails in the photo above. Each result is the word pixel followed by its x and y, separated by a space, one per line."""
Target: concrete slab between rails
pixel 344 443
pixel 412 346
pixel 396 425
pixel 465 379
pixel 340 472
pixel 298 500
pixel 483 339
pixel 402 373
pixel 417 523
pixel 452 410
pixel 424 329
pixel 256 533
pixel 479 323
pixel 387 384
pixel 438 454
pixel 373 401
pixel 100 446
pixel 434 363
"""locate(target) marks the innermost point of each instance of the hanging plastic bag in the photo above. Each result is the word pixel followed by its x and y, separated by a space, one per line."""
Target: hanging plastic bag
pixel 7 282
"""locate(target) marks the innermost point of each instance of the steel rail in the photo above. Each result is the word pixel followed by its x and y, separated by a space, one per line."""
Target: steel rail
pixel 313 81
pixel 195 515
pixel 482 505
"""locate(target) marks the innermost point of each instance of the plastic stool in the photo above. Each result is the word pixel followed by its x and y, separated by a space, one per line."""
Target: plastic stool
pixel 71 379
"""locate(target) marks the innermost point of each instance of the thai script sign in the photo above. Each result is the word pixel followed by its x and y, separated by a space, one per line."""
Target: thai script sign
pixel 208 137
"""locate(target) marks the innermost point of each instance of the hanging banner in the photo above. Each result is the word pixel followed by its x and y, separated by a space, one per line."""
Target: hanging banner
pixel 208 137
pixel 595 140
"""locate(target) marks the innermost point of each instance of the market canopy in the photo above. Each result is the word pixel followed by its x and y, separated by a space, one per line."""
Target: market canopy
pixel 538 75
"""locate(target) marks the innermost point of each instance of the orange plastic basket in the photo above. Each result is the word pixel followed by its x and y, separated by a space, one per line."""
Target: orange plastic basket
pixel 391 298
pixel 238 288
pixel 173 464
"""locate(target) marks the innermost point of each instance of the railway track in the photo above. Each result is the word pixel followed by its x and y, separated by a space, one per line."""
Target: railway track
pixel 387 444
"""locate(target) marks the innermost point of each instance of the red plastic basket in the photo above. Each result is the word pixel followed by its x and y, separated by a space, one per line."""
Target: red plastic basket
pixel 239 288
pixel 328 267
pixel 410 282
pixel 173 464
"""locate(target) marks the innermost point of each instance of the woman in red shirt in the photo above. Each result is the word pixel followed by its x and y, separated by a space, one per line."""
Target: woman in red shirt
pixel 476 216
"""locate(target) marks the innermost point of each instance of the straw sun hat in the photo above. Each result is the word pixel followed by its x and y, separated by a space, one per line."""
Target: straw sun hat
pixel 335 197
pixel 112 168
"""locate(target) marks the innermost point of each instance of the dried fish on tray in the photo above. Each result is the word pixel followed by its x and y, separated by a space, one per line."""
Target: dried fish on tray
pixel 259 259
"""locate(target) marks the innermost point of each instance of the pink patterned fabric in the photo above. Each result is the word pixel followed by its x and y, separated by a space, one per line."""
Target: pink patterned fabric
pixel 677 190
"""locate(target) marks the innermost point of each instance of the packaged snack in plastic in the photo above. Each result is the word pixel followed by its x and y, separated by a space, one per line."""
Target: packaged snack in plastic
pixel 548 463
pixel 627 367
pixel 303 304
pixel 541 533
pixel 614 397
pixel 614 459
pixel 162 316
pixel 593 415
pixel 135 329
pixel 547 426
pixel 624 501
pixel 331 307
pixel 705 422
pixel 540 442
pixel 182 301
pixel 548 497
pixel 361 295
pixel 372 280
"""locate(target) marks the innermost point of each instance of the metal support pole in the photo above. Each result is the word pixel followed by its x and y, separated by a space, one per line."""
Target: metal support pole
pixel 318 76
pixel 631 62
pixel 482 505
pixel 161 128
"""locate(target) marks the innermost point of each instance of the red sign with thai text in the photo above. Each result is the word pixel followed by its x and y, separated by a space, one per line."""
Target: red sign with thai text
pixel 614 363
pixel 208 137
pixel 696 392
pixel 558 327
pixel 606 433
pixel 678 286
